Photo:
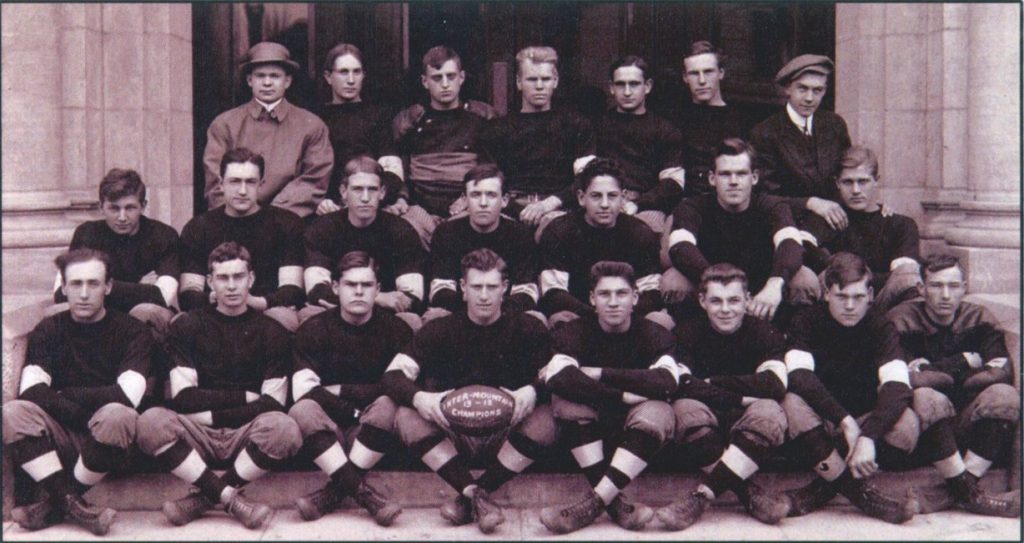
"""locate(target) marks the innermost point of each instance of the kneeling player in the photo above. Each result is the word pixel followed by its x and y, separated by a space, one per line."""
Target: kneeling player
pixel 482 346
pixel 221 355
pixel 83 379
pixel 739 359
pixel 958 347
pixel 340 357
pixel 611 373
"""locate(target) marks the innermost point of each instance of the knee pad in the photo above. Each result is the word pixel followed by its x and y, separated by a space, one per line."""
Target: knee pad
pixel 540 426
pixel 22 419
pixel 412 428
pixel 114 424
pixel 654 418
pixel 573 412
pixel 999 401
pixel 690 416
pixel 311 418
pixel 156 428
pixel 907 430
pixel 275 434
pixel 931 406
pixel 380 414
pixel 764 423
pixel 800 417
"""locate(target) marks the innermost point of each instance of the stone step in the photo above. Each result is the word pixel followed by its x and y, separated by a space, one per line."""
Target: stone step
pixel 147 492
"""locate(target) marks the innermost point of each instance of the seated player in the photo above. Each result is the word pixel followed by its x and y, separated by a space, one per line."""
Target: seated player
pixel 340 357
pixel 229 384
pixel 889 244
pixel 648 146
pixel 143 252
pixel 734 400
pixel 482 227
pixel 573 243
pixel 538 146
pixel 959 347
pixel 273 236
pixel 753 231
pixel 612 375
pixel 485 346
pixel 360 226
pixel 75 416
pixel 848 371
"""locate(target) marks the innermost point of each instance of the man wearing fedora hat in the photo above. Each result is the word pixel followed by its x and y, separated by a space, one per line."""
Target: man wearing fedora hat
pixel 801 146
pixel 294 142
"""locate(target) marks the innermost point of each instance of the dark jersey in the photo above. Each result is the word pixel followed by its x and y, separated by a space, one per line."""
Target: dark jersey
pixel 702 128
pixel 536 151
pixel 570 246
pixel 641 347
pixel 878 240
pixel 853 363
pixel 272 235
pixel 217 359
pixel 357 128
pixel 762 240
pixel 454 238
pixel 643 144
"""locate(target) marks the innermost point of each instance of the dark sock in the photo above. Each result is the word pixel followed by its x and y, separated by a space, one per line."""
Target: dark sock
pixel 208 483
pixel 455 471
pixel 348 477
pixel 989 437
pixel 498 474
pixel 939 441
pixel 262 461
pixel 642 445
pixel 101 458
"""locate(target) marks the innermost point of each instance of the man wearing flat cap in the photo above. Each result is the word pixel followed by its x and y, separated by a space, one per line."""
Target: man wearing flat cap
pixel 801 146
pixel 293 141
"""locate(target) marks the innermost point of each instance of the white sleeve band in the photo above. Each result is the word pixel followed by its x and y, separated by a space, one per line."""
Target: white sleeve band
pixel 894 371
pixel 777 367
pixel 799 360
pixel 808 237
pixel 314 275
pixel 550 279
pixel 391 163
pixel 997 362
pixel 168 289
pixel 681 235
pixel 558 363
pixel 276 388
pixel 529 289
pixel 917 364
pixel 406 365
pixel 676 174
pixel 32 375
pixel 668 363
pixel 581 162
pixel 648 282
pixel 973 360
pixel 437 285
pixel 903 261
pixel 788 232
pixel 134 386
pixel 411 284
pixel 303 381
pixel 182 378
pixel 333 389
pixel 289 275
pixel 191 281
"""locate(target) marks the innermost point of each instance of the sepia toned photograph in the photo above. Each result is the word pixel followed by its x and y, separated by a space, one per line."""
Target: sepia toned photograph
pixel 511 270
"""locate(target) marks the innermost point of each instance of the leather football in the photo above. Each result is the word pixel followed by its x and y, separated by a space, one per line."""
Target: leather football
pixel 478 410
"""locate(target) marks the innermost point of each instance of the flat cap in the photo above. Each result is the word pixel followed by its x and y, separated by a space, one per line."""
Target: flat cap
pixel 803 64
pixel 267 52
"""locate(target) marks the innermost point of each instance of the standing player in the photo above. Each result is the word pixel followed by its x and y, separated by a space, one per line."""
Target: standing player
pixel 740 358
pixel 272 235
pixel 959 347
pixel 83 379
pixel 143 252
pixel 229 384
pixel 340 357
pixel 361 226
pixel 599 231
pixel 889 244
pixel 612 375
pixel 754 232
pixel 484 346
pixel 483 227
pixel 647 146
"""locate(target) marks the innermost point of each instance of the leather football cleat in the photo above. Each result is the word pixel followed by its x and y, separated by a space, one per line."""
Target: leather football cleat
pixel 95 519
pixel 319 503
pixel 871 500
pixel 383 511
pixel 36 516
pixel 252 515
pixel 569 519
pixel 184 510
pixel 487 513
pixel 629 515
pixel 458 511
pixel 810 497
pixel 975 500
pixel 767 507
pixel 682 513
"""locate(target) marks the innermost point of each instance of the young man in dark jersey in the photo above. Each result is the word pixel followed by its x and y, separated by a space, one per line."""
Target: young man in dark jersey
pixel 647 146
pixel 728 415
pixel 143 252
pixel 599 231
pixel 753 231
pixel 83 380
pixel 959 348
pixel 483 226
pixel 360 226
pixel 229 385
pixel 273 236
pixel 340 357
pixel 611 376
pixel 484 346
pixel 888 243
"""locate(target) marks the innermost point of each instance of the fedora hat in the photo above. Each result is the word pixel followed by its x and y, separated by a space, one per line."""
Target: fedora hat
pixel 267 52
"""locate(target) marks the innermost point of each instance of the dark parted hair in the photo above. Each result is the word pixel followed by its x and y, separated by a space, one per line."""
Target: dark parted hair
pixel 241 155
pixel 704 47
pixel 723 273
pixel 483 260
pixel 629 60
pixel 938 262
pixel 436 56
pixel 229 250
pixel 355 259
pixel 612 268
pixel 481 172
pixel 598 167
pixel 76 256
pixel 341 50
pixel 846 268
pixel 737 147
pixel 119 183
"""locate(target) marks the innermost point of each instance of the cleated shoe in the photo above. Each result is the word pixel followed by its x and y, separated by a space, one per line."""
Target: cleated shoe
pixel 487 513
pixel 871 500
pixel 970 497
pixel 458 511
pixel 682 513
pixel 629 515
pixel 383 511
pixel 36 516
pixel 184 510
pixel 95 519
pixel 767 507
pixel 810 497
pixel 569 519
pixel 319 503
pixel 252 515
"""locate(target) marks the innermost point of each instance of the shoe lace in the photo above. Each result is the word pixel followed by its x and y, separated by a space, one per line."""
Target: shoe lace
pixel 368 497
pixel 581 508
pixel 194 504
